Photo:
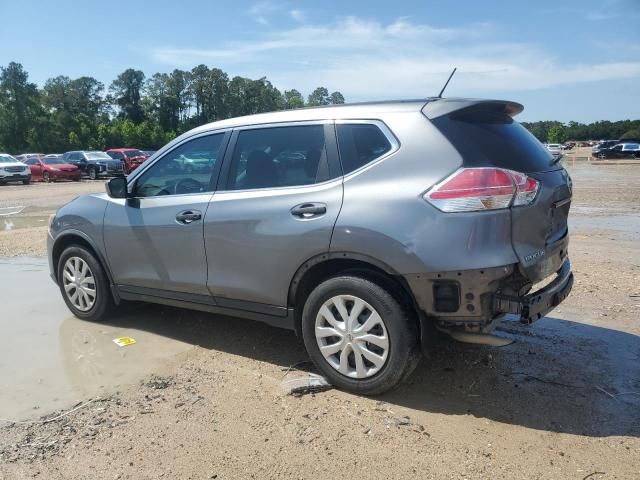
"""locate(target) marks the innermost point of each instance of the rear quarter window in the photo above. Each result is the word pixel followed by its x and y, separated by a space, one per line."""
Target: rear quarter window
pixel 360 144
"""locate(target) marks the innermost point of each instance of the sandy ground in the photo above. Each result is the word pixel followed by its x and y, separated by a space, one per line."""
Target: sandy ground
pixel 563 401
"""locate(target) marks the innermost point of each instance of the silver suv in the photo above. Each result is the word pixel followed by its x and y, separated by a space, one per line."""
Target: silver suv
pixel 365 228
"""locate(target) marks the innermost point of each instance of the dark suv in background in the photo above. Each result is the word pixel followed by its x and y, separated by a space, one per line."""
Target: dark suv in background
pixel 94 163
pixel 364 228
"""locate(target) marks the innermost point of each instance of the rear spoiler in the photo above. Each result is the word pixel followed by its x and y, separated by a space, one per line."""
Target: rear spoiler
pixel 438 107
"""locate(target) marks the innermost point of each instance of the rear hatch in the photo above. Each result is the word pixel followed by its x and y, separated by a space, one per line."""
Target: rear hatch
pixel 486 135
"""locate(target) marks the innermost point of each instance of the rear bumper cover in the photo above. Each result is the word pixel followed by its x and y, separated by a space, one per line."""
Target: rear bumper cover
pixel 536 305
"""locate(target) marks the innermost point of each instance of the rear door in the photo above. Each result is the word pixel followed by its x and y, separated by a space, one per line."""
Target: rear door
pixel 276 207
pixel 487 136
pixel 155 240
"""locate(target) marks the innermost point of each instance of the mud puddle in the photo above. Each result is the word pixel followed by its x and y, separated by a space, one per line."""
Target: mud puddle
pixel 49 359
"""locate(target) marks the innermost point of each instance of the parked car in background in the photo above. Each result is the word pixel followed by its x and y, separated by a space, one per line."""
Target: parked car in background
pixel 94 163
pixel 620 150
pixel 330 222
pixel 132 158
pixel 11 170
pixel 555 149
pixel 23 156
pixel 50 169
pixel 149 152
pixel 53 155
pixel 603 145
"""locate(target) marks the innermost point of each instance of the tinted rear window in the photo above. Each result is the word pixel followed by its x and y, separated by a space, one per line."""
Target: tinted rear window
pixel 494 139
pixel 360 144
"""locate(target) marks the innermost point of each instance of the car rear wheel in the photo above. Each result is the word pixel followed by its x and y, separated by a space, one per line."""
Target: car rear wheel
pixel 84 284
pixel 46 177
pixel 359 336
pixel 26 182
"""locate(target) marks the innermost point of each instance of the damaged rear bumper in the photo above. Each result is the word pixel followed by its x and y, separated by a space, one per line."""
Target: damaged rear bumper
pixel 536 305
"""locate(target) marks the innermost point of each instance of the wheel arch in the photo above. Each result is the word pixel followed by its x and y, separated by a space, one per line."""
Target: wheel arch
pixel 324 266
pixel 76 237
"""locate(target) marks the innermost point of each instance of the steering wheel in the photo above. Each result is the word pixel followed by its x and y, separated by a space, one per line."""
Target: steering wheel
pixel 187 185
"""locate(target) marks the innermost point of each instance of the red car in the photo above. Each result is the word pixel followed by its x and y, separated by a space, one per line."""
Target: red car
pixel 51 169
pixel 131 157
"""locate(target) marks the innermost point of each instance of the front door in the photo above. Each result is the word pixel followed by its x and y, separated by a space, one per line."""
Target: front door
pixel 155 240
pixel 275 207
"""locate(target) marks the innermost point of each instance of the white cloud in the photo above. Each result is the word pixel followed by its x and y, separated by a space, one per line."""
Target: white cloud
pixel 259 11
pixel 297 15
pixel 368 59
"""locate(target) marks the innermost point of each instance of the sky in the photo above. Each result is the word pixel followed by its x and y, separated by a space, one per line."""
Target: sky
pixel 564 60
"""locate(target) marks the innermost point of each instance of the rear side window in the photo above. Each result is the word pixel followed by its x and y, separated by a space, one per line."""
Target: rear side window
pixel 494 139
pixel 360 144
pixel 279 157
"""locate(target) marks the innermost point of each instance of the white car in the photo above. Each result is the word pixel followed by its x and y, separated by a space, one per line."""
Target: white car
pixel 11 170
pixel 555 149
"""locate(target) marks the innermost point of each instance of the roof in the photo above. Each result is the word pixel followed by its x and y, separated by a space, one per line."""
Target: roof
pixel 347 110
pixel 365 110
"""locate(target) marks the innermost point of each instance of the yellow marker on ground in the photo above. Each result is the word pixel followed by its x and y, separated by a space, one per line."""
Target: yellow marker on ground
pixel 124 341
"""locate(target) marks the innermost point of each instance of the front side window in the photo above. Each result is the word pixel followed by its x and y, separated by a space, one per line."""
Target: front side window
pixel 186 169
pixel 279 157
pixel 360 144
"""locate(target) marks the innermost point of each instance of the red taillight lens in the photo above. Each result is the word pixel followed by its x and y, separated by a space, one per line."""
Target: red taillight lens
pixel 474 189
pixel 527 188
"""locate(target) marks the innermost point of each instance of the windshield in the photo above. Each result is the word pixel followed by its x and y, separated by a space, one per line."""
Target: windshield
pixel 7 159
pixel 97 156
pixel 53 161
pixel 134 153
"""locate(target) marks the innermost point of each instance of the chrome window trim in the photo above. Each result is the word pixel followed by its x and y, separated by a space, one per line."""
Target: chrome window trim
pixel 386 131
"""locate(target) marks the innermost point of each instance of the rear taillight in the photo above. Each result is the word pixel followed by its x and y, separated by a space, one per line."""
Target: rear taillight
pixel 474 189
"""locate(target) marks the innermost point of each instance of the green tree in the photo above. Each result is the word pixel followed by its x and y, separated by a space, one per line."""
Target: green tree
pixel 292 99
pixel 556 134
pixel 336 98
pixel 20 107
pixel 633 133
pixel 320 96
pixel 126 90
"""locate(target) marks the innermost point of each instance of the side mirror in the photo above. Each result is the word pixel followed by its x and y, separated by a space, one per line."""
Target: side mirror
pixel 117 187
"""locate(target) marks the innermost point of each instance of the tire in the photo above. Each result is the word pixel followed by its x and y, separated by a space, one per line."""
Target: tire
pixel 26 182
pixel 46 177
pixel 103 301
pixel 93 173
pixel 397 326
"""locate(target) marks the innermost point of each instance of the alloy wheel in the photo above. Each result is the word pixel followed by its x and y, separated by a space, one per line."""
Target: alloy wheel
pixel 352 336
pixel 79 284
pixel 45 177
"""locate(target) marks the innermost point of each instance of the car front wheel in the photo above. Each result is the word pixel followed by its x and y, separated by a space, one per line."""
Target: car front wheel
pixel 93 174
pixel 84 284
pixel 359 336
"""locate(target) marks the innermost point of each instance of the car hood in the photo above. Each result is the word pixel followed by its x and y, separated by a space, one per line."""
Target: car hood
pixel 12 164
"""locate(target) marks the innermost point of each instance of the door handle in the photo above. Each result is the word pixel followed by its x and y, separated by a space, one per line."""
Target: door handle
pixel 188 216
pixel 309 210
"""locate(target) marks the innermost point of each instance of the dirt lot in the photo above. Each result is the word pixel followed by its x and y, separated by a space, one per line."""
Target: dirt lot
pixel 563 401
